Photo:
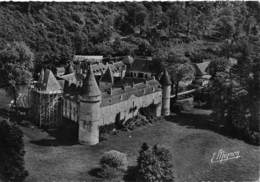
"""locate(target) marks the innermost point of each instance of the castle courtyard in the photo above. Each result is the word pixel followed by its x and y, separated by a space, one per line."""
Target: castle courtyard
pixel 192 148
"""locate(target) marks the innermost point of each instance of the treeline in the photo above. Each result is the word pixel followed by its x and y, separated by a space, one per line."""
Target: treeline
pixel 194 30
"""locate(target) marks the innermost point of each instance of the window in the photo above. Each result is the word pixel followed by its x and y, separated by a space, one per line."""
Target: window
pixel 140 75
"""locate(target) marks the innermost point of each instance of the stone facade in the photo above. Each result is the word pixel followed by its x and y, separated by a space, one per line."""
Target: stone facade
pixel 92 101
pixel 46 99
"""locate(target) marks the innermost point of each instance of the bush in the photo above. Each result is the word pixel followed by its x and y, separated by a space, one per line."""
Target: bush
pixel 107 172
pixel 252 137
pixel 113 165
pixel 154 165
pixel 114 159
pixel 11 153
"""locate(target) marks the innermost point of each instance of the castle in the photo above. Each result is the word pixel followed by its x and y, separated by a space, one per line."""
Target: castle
pixel 94 95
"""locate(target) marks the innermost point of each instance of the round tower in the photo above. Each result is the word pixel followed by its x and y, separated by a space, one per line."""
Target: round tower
pixel 89 112
pixel 166 93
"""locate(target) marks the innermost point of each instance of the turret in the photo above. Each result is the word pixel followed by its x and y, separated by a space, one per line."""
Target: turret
pixel 166 93
pixel 69 69
pixel 89 116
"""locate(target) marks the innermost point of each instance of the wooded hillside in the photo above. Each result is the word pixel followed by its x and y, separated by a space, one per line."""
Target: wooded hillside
pixel 193 30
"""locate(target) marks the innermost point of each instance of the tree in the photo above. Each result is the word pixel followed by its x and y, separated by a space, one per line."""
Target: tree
pixel 218 65
pixel 181 72
pixel 225 24
pixel 175 15
pixel 154 164
pixel 12 153
pixel 16 66
pixel 136 14
pixel 221 94
pixel 235 94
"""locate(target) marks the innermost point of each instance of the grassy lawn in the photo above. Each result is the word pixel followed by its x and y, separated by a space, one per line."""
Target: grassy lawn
pixel 192 149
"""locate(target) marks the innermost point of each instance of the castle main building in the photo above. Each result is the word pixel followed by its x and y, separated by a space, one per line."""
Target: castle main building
pixel 93 98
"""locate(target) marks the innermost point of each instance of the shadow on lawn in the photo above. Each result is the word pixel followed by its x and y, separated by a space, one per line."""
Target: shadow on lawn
pixel 128 176
pixel 197 121
pixel 53 142
pixel 57 137
pixel 95 172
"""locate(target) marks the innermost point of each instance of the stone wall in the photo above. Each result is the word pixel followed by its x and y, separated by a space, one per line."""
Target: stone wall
pixel 129 108
pixel 70 108
pixel 89 118
pixel 46 109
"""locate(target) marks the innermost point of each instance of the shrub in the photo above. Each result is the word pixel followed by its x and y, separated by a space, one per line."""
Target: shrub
pixel 113 165
pixel 154 164
pixel 251 136
pixel 107 172
pixel 114 159
pixel 11 153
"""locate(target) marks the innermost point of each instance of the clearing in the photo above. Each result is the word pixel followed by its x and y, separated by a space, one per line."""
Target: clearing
pixel 192 148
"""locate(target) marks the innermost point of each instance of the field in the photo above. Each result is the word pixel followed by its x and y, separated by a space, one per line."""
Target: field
pixel 192 147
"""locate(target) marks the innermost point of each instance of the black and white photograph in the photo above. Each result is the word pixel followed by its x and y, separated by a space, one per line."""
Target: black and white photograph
pixel 129 91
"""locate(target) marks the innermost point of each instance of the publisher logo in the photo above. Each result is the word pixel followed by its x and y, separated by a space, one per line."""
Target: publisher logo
pixel 222 156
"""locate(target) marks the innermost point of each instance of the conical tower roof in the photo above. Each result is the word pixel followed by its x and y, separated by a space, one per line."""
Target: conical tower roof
pixel 108 76
pixel 69 69
pixel 90 87
pixel 50 83
pixel 165 79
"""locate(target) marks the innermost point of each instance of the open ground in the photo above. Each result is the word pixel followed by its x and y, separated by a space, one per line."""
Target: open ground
pixel 192 146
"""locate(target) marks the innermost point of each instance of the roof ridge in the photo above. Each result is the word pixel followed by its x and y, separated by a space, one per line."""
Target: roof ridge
pixel 51 83
pixel 165 79
pixel 108 75
pixel 90 87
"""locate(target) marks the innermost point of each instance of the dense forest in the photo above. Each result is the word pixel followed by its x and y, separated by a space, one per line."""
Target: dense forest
pixel 190 30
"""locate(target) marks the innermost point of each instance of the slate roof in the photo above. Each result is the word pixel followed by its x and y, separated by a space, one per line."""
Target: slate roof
pixel 101 68
pixel 69 69
pixel 87 58
pixel 90 87
pixel 108 76
pixel 117 66
pixel 201 68
pixel 119 94
pixel 165 79
pixel 144 65
pixel 72 78
pixel 48 83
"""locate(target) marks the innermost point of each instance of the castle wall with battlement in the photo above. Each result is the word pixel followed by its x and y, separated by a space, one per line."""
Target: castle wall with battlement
pixel 119 106
pixel 129 108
